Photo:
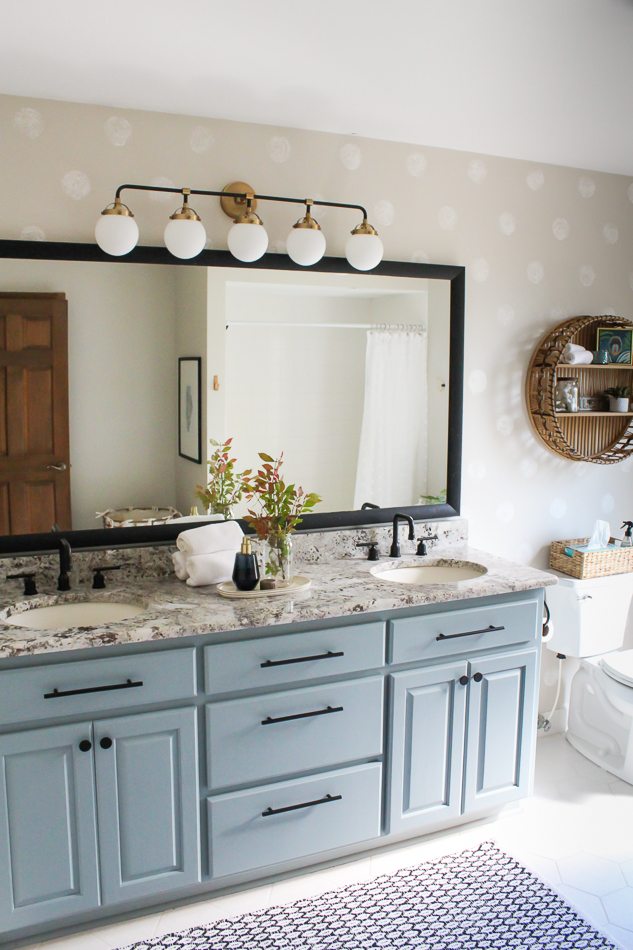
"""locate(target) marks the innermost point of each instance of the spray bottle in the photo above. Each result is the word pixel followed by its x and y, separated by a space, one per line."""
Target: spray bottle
pixel 627 540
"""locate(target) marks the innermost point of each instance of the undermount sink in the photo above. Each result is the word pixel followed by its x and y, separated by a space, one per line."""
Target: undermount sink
pixel 444 571
pixel 86 613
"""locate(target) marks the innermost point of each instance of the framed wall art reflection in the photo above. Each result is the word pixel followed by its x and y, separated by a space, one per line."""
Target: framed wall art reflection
pixel 190 408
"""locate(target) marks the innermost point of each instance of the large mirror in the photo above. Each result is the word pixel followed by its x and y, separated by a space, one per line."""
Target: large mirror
pixel 356 378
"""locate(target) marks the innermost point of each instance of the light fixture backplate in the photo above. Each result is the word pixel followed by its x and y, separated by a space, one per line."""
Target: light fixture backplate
pixel 234 207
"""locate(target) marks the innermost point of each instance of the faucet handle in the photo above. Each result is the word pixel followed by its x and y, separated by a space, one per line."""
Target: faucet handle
pixel 98 581
pixel 372 553
pixel 29 581
pixel 421 549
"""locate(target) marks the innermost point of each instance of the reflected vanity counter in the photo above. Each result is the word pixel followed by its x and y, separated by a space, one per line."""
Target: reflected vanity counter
pixel 206 743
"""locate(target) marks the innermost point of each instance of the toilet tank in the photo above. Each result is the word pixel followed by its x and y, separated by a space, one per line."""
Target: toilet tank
pixel 590 616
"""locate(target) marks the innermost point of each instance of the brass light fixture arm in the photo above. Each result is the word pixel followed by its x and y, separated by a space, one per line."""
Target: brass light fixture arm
pixel 242 196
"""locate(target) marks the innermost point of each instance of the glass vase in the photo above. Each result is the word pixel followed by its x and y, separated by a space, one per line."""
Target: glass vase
pixel 277 559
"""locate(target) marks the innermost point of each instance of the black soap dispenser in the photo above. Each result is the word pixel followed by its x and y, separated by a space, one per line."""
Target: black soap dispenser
pixel 246 570
pixel 627 540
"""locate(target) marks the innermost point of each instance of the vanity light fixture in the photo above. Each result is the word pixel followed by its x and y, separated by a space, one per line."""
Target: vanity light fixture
pixel 117 233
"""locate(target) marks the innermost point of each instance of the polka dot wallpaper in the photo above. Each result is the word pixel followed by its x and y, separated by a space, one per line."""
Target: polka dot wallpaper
pixel 540 243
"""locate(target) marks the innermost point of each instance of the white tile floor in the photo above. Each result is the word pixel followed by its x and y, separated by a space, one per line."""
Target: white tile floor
pixel 576 833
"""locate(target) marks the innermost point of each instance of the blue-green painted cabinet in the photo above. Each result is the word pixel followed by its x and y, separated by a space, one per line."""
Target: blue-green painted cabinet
pixel 48 848
pixel 462 738
pixel 316 743
pixel 69 843
pixel 427 746
pixel 503 697
pixel 147 803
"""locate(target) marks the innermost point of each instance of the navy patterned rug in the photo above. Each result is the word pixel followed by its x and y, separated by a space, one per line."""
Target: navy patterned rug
pixel 481 899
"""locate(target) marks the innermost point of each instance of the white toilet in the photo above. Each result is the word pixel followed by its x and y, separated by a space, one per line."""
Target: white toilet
pixel 590 620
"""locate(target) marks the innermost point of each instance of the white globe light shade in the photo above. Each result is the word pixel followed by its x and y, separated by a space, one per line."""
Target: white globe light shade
pixel 247 242
pixel 116 234
pixel 305 246
pixel 184 238
pixel 364 251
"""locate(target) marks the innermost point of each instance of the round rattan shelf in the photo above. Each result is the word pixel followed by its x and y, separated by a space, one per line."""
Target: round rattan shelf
pixel 601 437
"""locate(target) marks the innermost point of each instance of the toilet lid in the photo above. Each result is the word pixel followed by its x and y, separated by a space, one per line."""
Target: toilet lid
pixel 619 666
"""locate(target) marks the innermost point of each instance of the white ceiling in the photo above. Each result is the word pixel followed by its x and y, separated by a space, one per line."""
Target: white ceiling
pixel 544 80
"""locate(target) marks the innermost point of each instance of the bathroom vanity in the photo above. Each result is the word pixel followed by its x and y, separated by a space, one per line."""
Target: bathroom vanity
pixel 205 743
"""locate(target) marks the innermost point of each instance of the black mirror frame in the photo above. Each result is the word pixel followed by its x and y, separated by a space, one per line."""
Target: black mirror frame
pixel 165 534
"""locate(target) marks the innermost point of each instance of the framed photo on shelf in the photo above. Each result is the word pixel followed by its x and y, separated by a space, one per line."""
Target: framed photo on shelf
pixel 190 408
pixel 617 342
pixel 593 403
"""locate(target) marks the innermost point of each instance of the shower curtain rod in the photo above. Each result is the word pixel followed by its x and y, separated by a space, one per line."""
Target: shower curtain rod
pixel 413 327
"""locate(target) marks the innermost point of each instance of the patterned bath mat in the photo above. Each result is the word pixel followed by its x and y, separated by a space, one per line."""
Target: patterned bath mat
pixel 480 899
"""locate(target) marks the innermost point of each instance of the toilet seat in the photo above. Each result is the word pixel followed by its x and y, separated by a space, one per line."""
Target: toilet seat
pixel 619 666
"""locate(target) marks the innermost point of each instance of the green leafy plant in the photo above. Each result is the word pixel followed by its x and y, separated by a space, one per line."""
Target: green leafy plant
pixel 434 499
pixel 617 392
pixel 225 487
pixel 277 511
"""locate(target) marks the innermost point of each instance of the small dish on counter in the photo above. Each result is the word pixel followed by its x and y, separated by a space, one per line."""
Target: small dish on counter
pixel 297 584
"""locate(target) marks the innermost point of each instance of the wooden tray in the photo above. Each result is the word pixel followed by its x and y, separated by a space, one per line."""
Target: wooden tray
pixel 298 583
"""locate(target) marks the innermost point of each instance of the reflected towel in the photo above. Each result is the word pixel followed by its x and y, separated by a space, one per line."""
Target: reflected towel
pixel 180 565
pixel 210 568
pixel 223 536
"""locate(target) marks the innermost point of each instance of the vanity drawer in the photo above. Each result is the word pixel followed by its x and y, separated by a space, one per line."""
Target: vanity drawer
pixel 94 686
pixel 262 737
pixel 293 657
pixel 276 823
pixel 446 633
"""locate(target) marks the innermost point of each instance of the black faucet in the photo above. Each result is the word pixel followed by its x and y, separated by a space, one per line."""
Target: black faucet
pixel 65 564
pixel 395 547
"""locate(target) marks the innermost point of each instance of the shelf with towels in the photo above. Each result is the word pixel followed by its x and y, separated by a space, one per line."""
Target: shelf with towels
pixel 593 436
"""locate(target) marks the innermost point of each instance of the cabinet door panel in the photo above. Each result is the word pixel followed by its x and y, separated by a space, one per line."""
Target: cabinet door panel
pixel 501 729
pixel 429 710
pixel 48 858
pixel 147 795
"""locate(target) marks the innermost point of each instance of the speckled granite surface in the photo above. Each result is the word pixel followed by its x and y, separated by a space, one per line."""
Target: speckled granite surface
pixel 340 587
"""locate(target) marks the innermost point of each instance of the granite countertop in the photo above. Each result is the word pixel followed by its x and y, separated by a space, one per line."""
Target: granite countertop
pixel 340 588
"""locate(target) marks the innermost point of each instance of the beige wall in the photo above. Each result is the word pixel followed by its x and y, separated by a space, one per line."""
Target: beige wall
pixel 540 243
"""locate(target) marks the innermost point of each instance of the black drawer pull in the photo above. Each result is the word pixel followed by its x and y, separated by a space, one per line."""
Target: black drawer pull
pixel 58 693
pixel 317 801
pixel 302 659
pixel 270 720
pixel 469 633
pixel 478 677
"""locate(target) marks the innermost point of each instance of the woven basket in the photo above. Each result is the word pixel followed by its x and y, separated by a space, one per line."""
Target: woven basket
pixel 585 564
pixel 135 516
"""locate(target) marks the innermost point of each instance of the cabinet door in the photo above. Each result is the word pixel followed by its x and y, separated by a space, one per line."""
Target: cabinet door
pixel 501 729
pixel 429 714
pixel 148 803
pixel 48 855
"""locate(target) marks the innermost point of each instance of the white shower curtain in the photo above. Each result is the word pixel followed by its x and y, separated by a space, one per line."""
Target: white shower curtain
pixel 392 456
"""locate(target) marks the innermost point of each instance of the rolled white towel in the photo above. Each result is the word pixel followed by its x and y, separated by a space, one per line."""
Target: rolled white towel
pixel 222 536
pixel 579 359
pixel 180 565
pixel 210 568
pixel 572 351
pixel 575 348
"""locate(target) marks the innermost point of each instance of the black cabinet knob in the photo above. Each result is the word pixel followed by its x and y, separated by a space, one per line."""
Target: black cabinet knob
pixel 85 745
pixel 463 680
pixel 106 742
pixel 478 677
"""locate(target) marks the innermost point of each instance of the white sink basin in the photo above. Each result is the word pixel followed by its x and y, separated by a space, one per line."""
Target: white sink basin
pixel 65 616
pixel 444 571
